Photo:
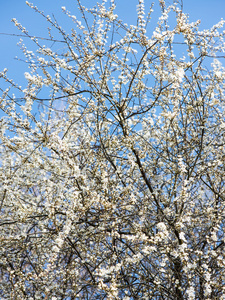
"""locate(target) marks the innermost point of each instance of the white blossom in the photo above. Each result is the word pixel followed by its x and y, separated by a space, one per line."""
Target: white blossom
pixel 112 158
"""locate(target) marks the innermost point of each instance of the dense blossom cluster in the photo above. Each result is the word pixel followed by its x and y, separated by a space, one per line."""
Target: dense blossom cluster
pixel 112 168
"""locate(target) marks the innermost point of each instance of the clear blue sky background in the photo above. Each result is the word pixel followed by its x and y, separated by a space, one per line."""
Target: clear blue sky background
pixel 209 11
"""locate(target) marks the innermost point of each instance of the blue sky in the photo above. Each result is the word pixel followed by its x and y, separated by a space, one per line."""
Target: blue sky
pixel 209 11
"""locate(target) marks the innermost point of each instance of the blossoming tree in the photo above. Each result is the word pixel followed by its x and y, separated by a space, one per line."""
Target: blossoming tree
pixel 112 160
